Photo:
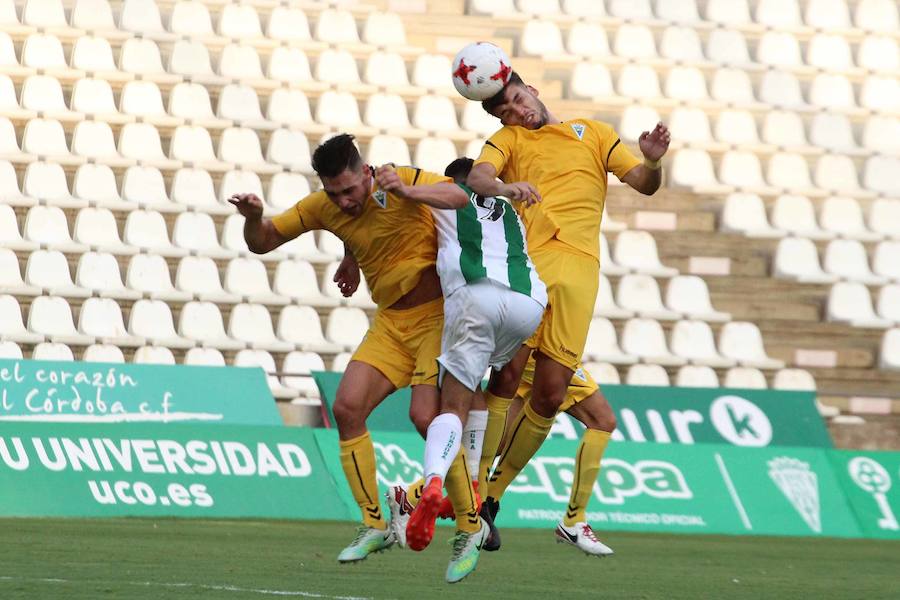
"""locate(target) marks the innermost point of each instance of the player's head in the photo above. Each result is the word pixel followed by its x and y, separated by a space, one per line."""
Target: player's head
pixel 517 104
pixel 459 169
pixel 346 179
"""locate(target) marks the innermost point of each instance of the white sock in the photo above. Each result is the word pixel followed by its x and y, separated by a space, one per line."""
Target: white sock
pixel 442 442
pixel 473 438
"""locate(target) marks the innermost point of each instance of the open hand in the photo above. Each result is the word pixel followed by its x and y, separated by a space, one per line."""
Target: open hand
pixel 654 143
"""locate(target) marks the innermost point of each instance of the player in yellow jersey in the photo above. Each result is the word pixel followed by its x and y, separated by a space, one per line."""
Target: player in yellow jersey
pixel 392 240
pixel 565 164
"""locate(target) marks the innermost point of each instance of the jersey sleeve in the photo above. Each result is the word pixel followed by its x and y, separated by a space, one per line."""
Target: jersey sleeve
pixel 300 218
pixel 416 176
pixel 617 158
pixel 498 149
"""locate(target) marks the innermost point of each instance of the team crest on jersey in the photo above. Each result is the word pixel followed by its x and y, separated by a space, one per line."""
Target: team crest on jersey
pixel 488 209
pixel 578 128
pixel 380 198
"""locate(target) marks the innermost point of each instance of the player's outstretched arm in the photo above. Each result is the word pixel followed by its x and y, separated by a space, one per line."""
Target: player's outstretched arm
pixel 259 233
pixel 483 181
pixel 438 195
pixel 646 178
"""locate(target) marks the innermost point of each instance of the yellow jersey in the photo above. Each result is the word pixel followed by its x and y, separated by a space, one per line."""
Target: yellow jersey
pixel 568 163
pixel 393 239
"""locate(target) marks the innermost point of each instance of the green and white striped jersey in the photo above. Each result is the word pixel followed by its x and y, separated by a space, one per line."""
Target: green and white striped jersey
pixel 485 240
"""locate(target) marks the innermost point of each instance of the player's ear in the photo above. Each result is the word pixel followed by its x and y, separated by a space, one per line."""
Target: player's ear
pixel 533 90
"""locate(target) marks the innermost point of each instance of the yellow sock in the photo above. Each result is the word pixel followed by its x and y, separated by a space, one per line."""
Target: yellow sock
pixel 587 465
pixel 528 432
pixel 358 461
pixel 462 496
pixel 414 491
pixel 493 435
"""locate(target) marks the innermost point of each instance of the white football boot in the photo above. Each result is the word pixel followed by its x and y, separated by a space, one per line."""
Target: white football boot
pixel 401 510
pixel 582 537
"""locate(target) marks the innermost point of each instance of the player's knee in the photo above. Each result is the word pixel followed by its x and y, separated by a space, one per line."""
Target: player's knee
pixel 505 382
pixel 421 417
pixel 346 413
pixel 602 418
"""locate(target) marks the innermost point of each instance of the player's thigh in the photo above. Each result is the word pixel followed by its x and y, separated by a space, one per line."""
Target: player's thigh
pixel 520 316
pixel 361 389
pixel 571 291
pixel 472 317
pixel 504 382
pixel 386 349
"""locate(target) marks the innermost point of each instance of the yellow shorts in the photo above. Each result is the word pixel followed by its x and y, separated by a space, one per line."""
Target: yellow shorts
pixel 581 386
pixel 404 344
pixel 572 279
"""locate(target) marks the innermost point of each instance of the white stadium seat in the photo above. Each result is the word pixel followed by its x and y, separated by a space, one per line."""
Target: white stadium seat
pixel 747 378
pixel 49 270
pixel 610 266
pixel 782 89
pixel 99 272
pixel 742 170
pixel 434 154
pixel 797 258
pixel 742 341
pixel 882 133
pixel 694 341
pixel 430 71
pixel 827 14
pixel 592 80
pixel 645 339
pixel 11 281
pixel 104 353
pixel 202 322
pixel 12 327
pixel 46 138
pixel 880 175
pixel 790 172
pixel 541 38
pixel 733 86
pixel 52 351
pixel 884 217
pixel 689 296
pixel 257 358
pixel 247 277
pixel 300 365
pixel 650 375
pixel 849 302
pixel 889 303
pixel 47 226
pixel 602 345
pixel 884 262
pixel 238 21
pixel 779 49
pixel 796 215
pixel 44 94
pixel 388 149
pixel 844 217
pixel 603 372
pixel 878 53
pixel 847 259
pixel 46 181
pixel 746 214
pixel 288 24
pixel 97 228
pixel 206 357
pixel 191 59
pixel 191 18
pixel 346 326
pixel 794 380
pixel 296 279
pixel 149 275
pixel 681 44
pixel 336 27
pixel 285 189
pixel 889 355
pixel 93 15
pixel 101 318
pixel 240 62
pixel 252 324
pixel 697 376
pixel 199 276
pixel 780 14
pixel 146 229
pixel 10 237
pixel 337 67
pixel 830 52
pixel 142 16
pixel 154 355
pixel 640 294
pixel 838 175
pixel 605 304
pixel 832 91
pixel 290 65
pixel 194 188
pixel 636 250
pixel 877 15
pixel 301 326
pixel 588 40
pixel 638 81
pixel 51 317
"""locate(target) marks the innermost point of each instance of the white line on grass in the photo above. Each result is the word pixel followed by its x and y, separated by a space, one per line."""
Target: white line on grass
pixel 218 588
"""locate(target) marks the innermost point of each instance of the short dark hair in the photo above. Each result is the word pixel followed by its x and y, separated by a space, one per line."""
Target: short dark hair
pixel 336 155
pixel 491 104
pixel 459 168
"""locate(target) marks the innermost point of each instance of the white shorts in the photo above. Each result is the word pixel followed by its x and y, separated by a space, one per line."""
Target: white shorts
pixel 485 324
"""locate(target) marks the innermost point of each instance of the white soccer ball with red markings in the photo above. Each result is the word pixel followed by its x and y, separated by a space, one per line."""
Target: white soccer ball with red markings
pixel 480 70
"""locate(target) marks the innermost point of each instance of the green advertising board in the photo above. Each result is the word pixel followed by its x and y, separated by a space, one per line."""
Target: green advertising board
pixel 748 418
pixel 68 392
pixel 871 481
pixel 652 487
pixel 182 470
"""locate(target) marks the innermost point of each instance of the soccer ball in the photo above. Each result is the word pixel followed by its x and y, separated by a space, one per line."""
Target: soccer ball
pixel 480 70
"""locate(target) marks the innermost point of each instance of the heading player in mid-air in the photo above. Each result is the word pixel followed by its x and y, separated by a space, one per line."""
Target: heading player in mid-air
pixel 565 164
pixel 393 240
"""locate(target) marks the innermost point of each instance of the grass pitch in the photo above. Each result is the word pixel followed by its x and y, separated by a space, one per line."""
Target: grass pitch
pixel 139 559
